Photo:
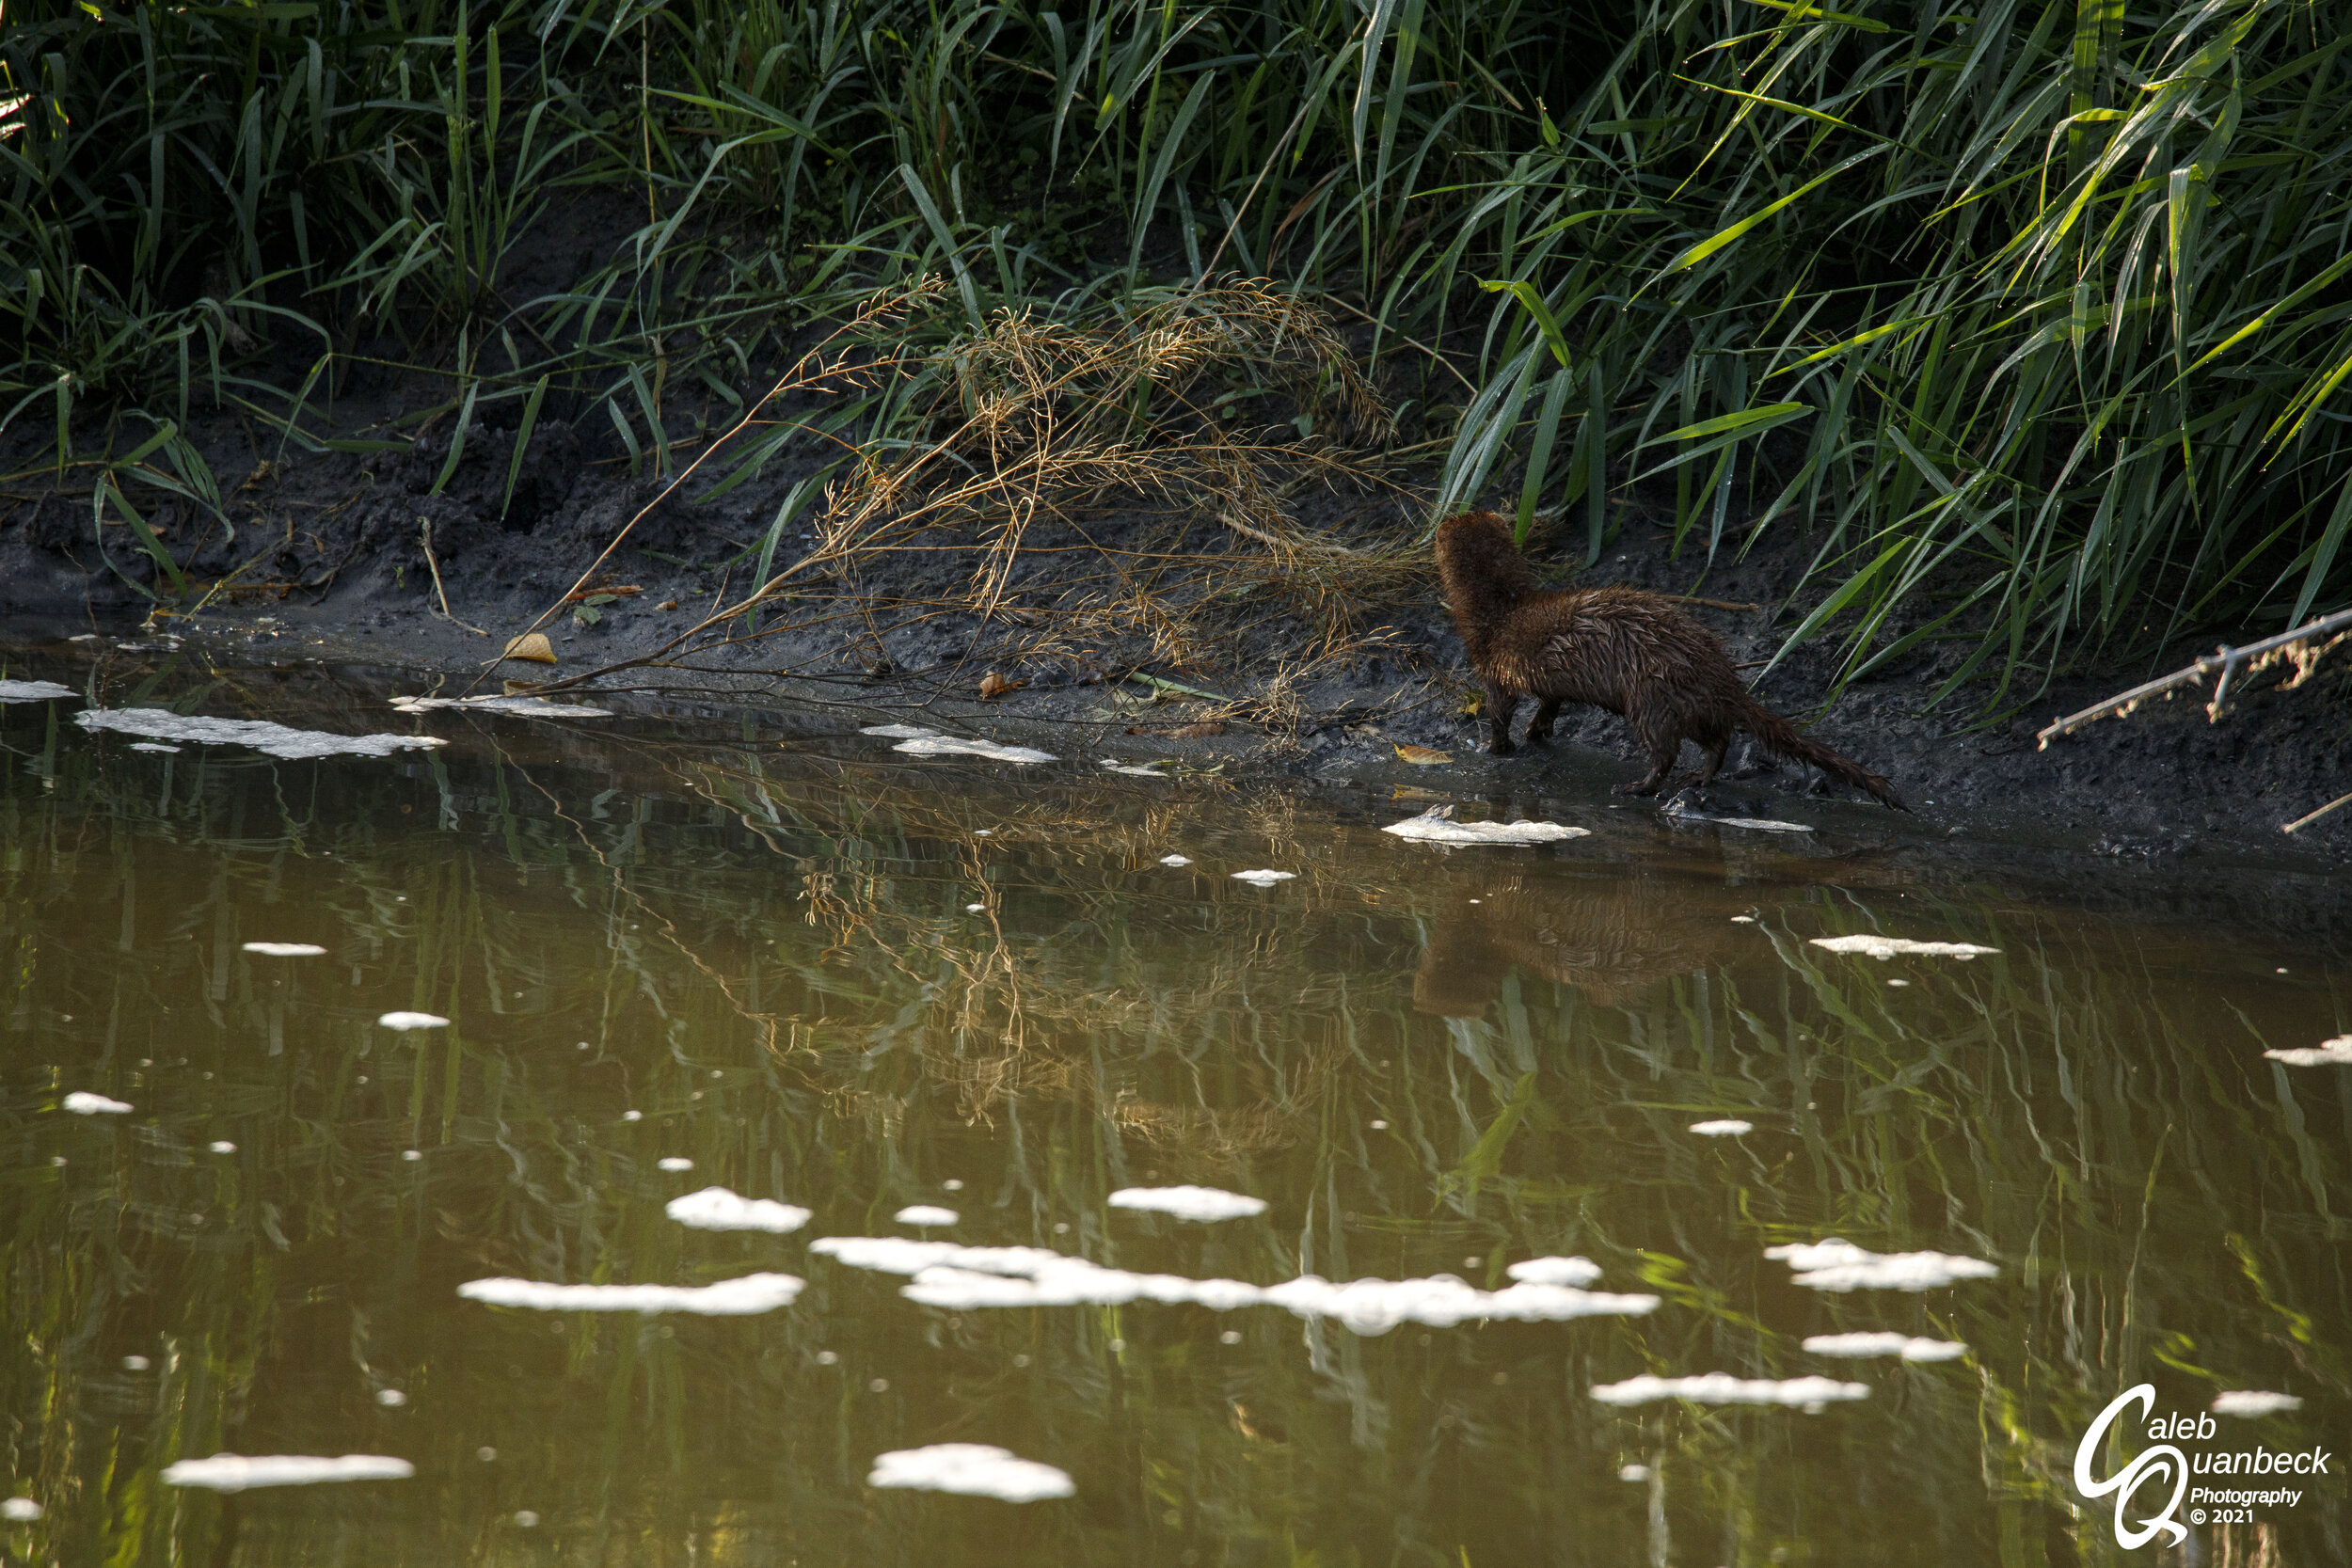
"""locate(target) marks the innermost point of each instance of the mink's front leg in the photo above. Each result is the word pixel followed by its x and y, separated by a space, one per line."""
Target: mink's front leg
pixel 1539 727
pixel 1500 706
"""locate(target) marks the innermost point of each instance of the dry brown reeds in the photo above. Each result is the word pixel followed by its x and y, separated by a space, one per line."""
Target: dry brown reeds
pixel 1101 491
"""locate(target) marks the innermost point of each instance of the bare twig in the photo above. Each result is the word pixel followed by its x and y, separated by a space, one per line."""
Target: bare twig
pixel 424 537
pixel 2235 664
pixel 2309 817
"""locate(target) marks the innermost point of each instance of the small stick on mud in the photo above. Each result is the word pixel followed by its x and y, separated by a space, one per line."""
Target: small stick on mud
pixel 2305 820
pixel 424 537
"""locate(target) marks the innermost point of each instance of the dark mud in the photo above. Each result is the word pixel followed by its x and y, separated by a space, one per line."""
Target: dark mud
pixel 335 551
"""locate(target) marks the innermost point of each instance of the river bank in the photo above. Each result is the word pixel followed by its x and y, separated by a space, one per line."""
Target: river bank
pixel 887 644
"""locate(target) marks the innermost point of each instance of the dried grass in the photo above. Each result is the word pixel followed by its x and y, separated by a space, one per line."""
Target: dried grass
pixel 1030 431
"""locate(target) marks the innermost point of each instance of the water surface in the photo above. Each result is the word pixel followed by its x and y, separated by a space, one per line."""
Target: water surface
pixel 750 945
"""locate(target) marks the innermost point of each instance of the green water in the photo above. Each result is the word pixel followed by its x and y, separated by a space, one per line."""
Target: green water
pixel 755 937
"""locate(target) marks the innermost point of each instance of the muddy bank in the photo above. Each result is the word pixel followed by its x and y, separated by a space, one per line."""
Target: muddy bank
pixel 361 541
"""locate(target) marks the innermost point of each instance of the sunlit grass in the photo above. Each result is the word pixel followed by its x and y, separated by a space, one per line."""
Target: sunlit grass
pixel 2030 317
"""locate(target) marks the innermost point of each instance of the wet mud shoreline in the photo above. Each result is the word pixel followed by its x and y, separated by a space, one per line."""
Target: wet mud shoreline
pixel 2162 783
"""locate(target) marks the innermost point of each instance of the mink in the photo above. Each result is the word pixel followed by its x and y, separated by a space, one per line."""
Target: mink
pixel 1636 654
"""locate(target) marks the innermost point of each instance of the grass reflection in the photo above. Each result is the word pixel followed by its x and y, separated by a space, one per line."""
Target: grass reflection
pixel 761 958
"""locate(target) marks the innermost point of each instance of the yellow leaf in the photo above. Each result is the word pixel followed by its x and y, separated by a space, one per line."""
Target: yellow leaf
pixel 994 685
pixel 533 645
pixel 1422 755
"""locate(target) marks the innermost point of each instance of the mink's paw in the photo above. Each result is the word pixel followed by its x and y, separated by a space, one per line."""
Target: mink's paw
pixel 1501 747
pixel 1637 788
pixel 1539 737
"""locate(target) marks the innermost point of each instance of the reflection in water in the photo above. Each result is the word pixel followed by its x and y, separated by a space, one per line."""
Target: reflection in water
pixel 765 962
pixel 1612 935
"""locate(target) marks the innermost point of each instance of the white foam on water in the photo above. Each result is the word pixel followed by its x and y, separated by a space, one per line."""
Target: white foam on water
pixel 962 1278
pixel 973 1469
pixel 276 739
pixel 717 1208
pixel 136 1363
pixel 391 1398
pixel 632 1116
pixel 1633 1472
pixel 918 742
pixel 925 1214
pixel 222 1146
pixel 1436 825
pixel 1884 948
pixel 674 1162
pixel 1175 860
pixel 1753 824
pixel 1858 1346
pixel 2334 1053
pixel 152 746
pixel 233 1472
pixel 1204 1204
pixel 84 1103
pixel 729 1298
pixel 1375 1305
pixel 1134 770
pixel 2253 1401
pixel 529 707
pixel 974 908
pixel 1744 920
pixel 20 1511
pixel 1835 1264
pixel 1265 879
pixel 285 949
pixel 34 691
pixel 413 1020
pixel 901 1255
pixel 1555 1271
pixel 1809 1394
pixel 1730 1127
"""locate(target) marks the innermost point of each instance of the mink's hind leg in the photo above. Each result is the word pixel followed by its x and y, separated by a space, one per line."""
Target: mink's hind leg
pixel 1539 727
pixel 1500 706
pixel 1715 749
pixel 1659 733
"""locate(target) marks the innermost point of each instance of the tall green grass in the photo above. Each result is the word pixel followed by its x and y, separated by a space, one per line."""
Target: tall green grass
pixel 2032 316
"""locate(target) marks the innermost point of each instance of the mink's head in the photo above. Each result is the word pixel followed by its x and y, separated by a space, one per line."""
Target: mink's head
pixel 1482 573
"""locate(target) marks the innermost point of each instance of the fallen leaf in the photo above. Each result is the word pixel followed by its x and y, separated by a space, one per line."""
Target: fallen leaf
pixel 994 685
pixel 667 604
pixel 603 592
pixel 533 645
pixel 518 688
pixel 1422 755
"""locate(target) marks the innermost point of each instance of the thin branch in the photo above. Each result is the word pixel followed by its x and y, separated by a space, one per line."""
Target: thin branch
pixel 2232 663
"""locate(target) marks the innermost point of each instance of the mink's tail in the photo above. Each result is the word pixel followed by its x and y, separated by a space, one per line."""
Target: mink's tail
pixel 1783 739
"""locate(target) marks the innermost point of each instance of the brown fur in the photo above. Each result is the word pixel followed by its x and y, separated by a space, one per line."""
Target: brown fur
pixel 1636 654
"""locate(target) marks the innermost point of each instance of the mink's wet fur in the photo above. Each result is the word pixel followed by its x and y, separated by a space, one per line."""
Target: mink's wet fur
pixel 1636 654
